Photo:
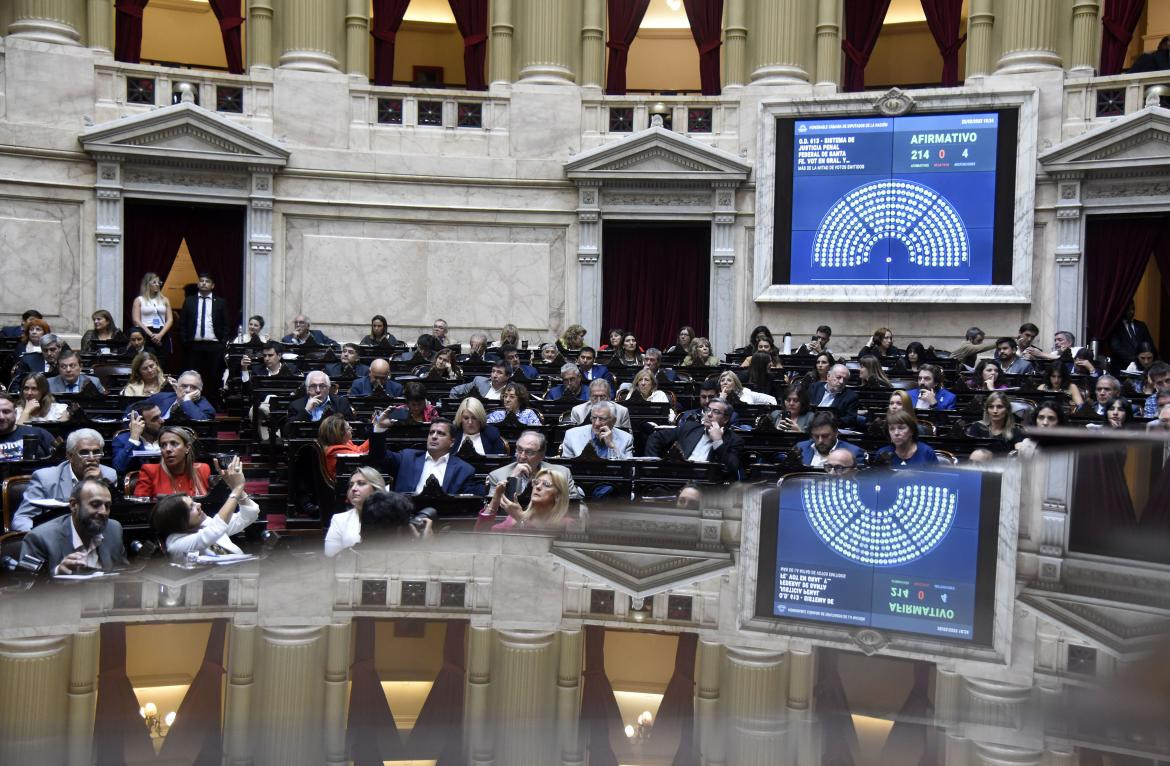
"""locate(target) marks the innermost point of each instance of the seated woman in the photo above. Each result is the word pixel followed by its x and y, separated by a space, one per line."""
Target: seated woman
pixel 1056 380
pixel 379 335
pixel 180 524
pixel 345 528
pixel 758 332
pixel 686 335
pixel 761 375
pixel 1084 363
pixel 335 436
pixel 764 346
pixel 146 376
pixel 998 423
pixel 1118 413
pixel 253 333
pixel 733 391
pixel 471 425
pixel 105 334
pixel 417 409
pixel 1145 356
pixel 37 404
pixel 644 388
pixel 700 354
pixel 30 339
pixel 572 339
pixel 916 355
pixel 872 375
pixel 881 344
pixel 615 340
pixel 797 411
pixel 899 400
pixel 509 336
pixel 177 471
pixel 550 354
pixel 547 509
pixel 904 448
pixel 820 372
pixel 135 342
pixel 517 406
pixel 628 355
pixel 444 366
pixel 1048 414
pixel 987 376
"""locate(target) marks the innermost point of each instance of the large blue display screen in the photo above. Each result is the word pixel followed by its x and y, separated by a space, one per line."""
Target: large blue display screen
pixel 894 200
pixel 891 551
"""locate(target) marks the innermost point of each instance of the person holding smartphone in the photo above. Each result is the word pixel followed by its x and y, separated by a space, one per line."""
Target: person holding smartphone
pixel 181 524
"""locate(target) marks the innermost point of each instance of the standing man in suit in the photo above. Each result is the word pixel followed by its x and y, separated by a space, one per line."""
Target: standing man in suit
pixel 413 468
pixel 530 452
pixel 69 379
pixel 610 442
pixel 815 452
pixel 1129 334
pixel 709 440
pixel 833 394
pixel 83 450
pixel 205 334
pixel 85 539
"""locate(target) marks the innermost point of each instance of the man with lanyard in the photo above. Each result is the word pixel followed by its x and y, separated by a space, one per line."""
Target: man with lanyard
pixel 205 331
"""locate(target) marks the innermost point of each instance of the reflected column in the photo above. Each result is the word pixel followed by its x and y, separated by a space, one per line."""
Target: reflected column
pixel 337 661
pixel 290 696
pixel 522 685
pixel 237 734
pixel 708 718
pixel 83 675
pixel 479 710
pixel 34 708
pixel 569 697
pixel 755 682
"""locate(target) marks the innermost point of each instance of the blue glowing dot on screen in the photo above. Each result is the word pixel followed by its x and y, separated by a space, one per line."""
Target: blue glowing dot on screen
pixel 920 218
pixel 912 526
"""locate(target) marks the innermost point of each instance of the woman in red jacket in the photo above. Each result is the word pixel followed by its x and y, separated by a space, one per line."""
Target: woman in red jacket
pixel 177 471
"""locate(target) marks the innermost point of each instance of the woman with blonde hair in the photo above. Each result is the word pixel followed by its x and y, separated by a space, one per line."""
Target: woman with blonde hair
pixel 151 311
pixel 998 423
pixel 177 471
pixel 732 389
pixel 471 425
pixel 644 388
pixel 572 339
pixel 700 354
pixel 546 510
pixel 146 376
pixel 345 528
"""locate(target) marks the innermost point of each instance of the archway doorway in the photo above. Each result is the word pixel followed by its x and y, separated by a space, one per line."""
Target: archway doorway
pixel 656 278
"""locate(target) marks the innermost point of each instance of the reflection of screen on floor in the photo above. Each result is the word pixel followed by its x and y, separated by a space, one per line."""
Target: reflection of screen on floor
pixel 902 200
pixel 897 552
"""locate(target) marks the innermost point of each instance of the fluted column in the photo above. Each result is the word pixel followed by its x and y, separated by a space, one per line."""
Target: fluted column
pixel 780 36
pixel 829 42
pixel 309 31
pixel 48 21
pixel 708 720
pixel 100 25
pixel 34 707
pixel 82 696
pixel 735 41
pixel 593 44
pixel 290 698
pixel 980 23
pixel 337 662
pixel 754 685
pixel 500 45
pixel 478 711
pixel 1086 38
pixel 1003 755
pixel 522 688
pixel 259 47
pixel 237 732
pixel 1029 36
pixel 546 42
pixel 357 38
pixel 569 697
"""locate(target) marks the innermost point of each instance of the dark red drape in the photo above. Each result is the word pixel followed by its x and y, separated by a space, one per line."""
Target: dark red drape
pixel 676 712
pixel 625 16
pixel 1103 518
pixel 637 262
pixel 128 30
pixel 387 19
pixel 437 731
pixel 863 24
pixel 151 237
pixel 197 736
pixel 601 721
pixel 228 13
pixel 706 18
pixel 119 734
pixel 371 733
pixel 1117 250
pixel 910 734
pixel 471 16
pixel 944 17
pixel 1118 22
pixel 838 737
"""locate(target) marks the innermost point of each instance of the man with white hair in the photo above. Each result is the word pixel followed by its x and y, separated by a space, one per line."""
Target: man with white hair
pixel 187 402
pixel 303 334
pixel 610 442
pixel 83 450
pixel 319 401
pixel 599 392
pixel 832 393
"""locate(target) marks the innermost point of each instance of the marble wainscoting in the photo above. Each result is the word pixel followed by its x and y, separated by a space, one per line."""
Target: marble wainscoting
pixel 40 247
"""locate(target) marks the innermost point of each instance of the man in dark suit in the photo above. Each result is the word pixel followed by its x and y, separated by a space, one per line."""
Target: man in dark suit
pixel 187 402
pixel 570 387
pixel 709 440
pixel 1127 337
pixel 413 468
pixel 204 321
pixel 489 387
pixel 303 334
pixel 833 394
pixel 350 365
pixel 511 355
pixel 15 331
pixel 140 441
pixel 708 390
pixel 377 378
pixel 815 452
pixel 271 365
pixel 318 402
pixel 590 370
pixel 85 539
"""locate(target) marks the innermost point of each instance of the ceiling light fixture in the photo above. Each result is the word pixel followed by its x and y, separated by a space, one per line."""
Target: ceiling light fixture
pixel 674 5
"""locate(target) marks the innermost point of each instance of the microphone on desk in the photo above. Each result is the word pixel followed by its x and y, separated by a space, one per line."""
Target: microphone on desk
pixel 142 548
pixel 27 564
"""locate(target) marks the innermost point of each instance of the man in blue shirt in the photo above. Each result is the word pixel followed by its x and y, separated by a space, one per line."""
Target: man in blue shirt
pixel 930 394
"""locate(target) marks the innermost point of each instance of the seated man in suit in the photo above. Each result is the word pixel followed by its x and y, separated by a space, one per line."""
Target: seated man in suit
pixel 318 402
pixel 187 402
pixel 710 440
pixel 69 378
pixel 491 387
pixel 350 365
pixel 570 387
pixel 530 452
pixel 511 355
pixel 141 440
pixel 590 370
pixel 652 361
pixel 412 468
pixel 271 366
pixel 477 350
pixel 83 451
pixel 708 390
pixel 599 391
pixel 303 334
pixel 610 442
pixel 12 436
pixel 815 452
pixel 377 379
pixel 1007 352
pixel 45 361
pixel 1106 389
pixel 85 538
pixel 833 394
pixel 930 394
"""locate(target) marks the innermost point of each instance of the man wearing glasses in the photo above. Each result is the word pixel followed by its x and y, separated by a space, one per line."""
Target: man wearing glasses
pixel 84 452
pixel 530 450
pixel 841 463
pixel 708 440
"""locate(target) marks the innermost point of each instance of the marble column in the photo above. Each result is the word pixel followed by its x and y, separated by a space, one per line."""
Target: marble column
pixel 780 36
pixel 82 696
pixel 801 677
pixel 237 731
pixel 829 42
pixel 546 42
pixel 309 35
pixel 500 45
pixel 572 752
pixel 722 324
pixel 1070 224
pixel 259 47
pixel 735 40
pixel 1086 38
pixel 100 25
pixel 108 234
pixel 986 754
pixel 593 44
pixel 259 267
pixel 709 730
pixel 337 641
pixel 48 21
pixel 290 696
pixel 754 684
pixel 1029 36
pixel 523 669
pixel 479 710
pixel 589 258
pixel 994 703
pixel 34 706
pixel 980 25
pixel 357 39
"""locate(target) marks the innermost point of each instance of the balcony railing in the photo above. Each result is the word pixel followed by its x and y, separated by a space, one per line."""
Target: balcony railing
pixel 400 107
pixel 127 89
pixel 707 118
pixel 1094 101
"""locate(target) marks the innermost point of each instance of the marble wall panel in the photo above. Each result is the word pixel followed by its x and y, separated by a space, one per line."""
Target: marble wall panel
pixel 48 84
pixel 40 247
pixel 311 109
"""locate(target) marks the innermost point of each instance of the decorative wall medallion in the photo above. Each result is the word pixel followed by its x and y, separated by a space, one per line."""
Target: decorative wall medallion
pixel 894 102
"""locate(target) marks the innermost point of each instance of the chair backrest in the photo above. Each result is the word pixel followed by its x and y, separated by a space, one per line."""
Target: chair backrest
pixel 105 372
pixel 129 481
pixel 946 456
pixel 12 492
pixel 10 543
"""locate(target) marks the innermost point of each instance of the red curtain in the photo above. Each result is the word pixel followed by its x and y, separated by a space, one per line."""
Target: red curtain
pixel 151 237
pixel 371 733
pixel 601 721
pixel 471 16
pixel 1117 250
pixel 838 737
pixel 676 712
pixel 863 24
pixel 128 30
pixel 228 13
pixel 1119 21
pixel 706 18
pixel 437 730
pixel 625 16
pixel 636 262
pixel 944 17
pixel 387 19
